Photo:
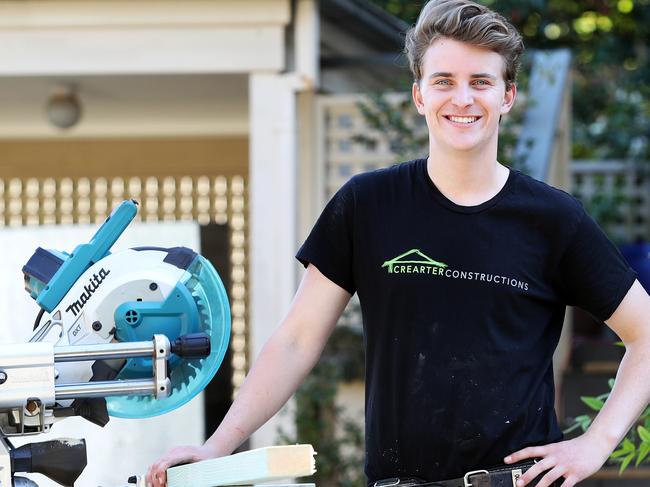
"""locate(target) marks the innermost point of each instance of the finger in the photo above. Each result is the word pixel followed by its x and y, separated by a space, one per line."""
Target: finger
pixel 152 476
pixel 530 452
pixel 551 477
pixel 536 470
pixel 155 473
pixel 161 478
pixel 569 482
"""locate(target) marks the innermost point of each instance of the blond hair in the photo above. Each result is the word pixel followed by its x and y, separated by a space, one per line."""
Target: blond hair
pixel 465 21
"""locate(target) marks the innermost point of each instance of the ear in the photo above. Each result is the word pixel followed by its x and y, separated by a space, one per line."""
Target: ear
pixel 509 99
pixel 417 98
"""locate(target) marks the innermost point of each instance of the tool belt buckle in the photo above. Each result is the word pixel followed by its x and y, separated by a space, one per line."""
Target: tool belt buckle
pixel 466 477
pixel 387 482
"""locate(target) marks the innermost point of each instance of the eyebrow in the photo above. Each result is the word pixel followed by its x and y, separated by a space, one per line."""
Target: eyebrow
pixel 442 74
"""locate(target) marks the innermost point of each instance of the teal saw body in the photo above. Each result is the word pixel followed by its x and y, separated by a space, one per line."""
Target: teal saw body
pixel 93 296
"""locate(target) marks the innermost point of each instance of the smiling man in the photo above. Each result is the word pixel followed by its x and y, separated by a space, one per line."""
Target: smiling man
pixel 463 268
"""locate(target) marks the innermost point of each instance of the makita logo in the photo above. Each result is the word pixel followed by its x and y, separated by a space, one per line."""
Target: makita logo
pixel 89 289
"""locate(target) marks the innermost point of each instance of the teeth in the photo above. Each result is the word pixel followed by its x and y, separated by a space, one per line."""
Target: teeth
pixel 463 119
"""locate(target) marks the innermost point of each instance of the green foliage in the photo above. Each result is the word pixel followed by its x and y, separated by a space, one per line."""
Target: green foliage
pixel 625 454
pixel 581 422
pixel 396 121
pixel 609 41
pixel 405 10
pixel 636 444
pixel 320 421
pixel 593 402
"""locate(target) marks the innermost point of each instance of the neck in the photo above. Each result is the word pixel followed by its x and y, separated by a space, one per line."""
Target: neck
pixel 466 178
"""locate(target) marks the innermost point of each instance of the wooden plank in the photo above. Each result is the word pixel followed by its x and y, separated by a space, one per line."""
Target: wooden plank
pixel 250 467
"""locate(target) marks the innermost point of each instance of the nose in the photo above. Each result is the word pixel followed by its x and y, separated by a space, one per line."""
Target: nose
pixel 462 96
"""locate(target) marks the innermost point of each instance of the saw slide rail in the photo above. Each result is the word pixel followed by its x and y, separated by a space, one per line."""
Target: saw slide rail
pixel 63 460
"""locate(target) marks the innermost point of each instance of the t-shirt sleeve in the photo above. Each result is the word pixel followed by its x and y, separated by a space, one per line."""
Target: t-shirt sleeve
pixel 594 274
pixel 329 246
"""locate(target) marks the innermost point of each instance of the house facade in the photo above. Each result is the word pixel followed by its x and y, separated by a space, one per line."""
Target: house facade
pixel 202 110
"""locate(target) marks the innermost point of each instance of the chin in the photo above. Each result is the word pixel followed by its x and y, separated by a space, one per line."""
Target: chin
pixel 465 146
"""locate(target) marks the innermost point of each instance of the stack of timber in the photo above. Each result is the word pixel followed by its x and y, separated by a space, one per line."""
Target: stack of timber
pixel 247 468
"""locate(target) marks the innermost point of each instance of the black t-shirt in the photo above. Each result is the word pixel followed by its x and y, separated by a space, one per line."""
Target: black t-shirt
pixel 462 310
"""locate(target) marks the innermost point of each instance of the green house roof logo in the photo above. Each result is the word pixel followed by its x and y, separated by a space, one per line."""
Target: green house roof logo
pixel 413 256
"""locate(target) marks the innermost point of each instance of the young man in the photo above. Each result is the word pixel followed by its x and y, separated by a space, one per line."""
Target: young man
pixel 463 269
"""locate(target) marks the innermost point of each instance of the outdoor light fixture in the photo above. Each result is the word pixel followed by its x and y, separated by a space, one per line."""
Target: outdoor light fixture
pixel 63 108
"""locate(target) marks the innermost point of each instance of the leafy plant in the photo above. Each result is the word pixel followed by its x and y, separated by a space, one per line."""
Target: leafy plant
pixel 395 120
pixel 636 444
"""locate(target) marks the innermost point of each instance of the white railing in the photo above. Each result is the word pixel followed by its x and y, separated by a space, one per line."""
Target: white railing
pixel 617 194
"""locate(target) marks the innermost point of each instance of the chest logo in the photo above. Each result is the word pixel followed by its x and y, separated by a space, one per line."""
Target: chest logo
pixel 413 262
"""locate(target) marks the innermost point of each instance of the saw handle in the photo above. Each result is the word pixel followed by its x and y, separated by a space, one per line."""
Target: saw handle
pixel 61 460
pixel 192 345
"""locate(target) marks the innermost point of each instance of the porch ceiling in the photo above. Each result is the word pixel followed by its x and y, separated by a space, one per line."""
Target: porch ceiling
pixel 129 106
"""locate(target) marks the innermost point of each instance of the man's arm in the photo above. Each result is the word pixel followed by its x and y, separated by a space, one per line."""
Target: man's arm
pixel 284 362
pixel 581 457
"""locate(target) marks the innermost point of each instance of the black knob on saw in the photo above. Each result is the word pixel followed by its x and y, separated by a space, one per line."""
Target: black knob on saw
pixel 192 345
pixel 62 460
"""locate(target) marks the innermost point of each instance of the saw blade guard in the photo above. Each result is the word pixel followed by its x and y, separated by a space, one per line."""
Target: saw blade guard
pixel 198 303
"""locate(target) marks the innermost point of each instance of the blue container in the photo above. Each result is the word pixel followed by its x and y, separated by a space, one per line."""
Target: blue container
pixel 638 256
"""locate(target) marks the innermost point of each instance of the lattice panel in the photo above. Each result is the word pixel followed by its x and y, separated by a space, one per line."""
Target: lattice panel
pixel 203 199
pixel 344 154
pixel 237 213
pixel 62 201
pixel 617 194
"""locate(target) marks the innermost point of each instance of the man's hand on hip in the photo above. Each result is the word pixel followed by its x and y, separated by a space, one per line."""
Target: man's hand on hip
pixel 575 460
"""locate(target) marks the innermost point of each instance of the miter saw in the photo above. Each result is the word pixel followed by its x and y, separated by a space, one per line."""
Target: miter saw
pixel 131 334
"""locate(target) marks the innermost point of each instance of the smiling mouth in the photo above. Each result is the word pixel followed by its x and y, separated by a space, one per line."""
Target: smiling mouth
pixel 462 119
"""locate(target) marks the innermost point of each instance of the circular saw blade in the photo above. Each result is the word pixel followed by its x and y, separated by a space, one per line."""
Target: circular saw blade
pixel 188 377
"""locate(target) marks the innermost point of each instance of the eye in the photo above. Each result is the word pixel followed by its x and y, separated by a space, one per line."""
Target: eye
pixel 443 82
pixel 481 82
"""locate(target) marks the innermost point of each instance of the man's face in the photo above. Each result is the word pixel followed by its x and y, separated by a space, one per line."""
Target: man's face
pixel 462 95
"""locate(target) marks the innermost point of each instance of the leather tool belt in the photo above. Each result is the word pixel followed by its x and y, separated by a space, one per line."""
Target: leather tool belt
pixel 504 476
